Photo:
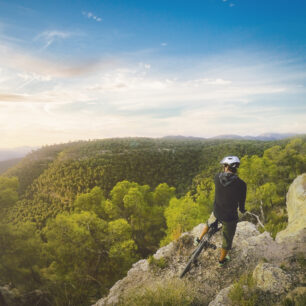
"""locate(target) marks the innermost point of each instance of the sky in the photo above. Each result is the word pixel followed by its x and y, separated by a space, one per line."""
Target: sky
pixel 72 70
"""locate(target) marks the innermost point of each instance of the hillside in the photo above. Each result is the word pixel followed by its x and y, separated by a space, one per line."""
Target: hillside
pixel 51 178
pixel 92 209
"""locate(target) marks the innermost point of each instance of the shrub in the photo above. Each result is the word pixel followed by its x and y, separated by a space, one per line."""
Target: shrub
pixel 157 263
pixel 166 293
pixel 244 292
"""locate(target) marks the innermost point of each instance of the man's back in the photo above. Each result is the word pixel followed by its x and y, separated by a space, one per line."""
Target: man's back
pixel 230 191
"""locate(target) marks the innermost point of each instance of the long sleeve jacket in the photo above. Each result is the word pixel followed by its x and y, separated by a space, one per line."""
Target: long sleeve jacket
pixel 230 194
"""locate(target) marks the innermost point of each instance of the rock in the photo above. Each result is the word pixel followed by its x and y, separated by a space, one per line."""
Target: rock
pixel 271 279
pixel 248 249
pixel 164 251
pixel 222 298
pixel 296 208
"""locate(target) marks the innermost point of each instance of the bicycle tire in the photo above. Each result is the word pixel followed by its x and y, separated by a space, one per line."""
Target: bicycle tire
pixel 194 255
pixel 203 244
pixel 187 268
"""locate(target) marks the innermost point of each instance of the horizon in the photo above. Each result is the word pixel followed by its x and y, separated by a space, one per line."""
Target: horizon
pixel 77 70
pixel 226 136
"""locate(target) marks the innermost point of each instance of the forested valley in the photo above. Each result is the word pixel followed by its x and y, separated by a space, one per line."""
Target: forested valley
pixel 76 216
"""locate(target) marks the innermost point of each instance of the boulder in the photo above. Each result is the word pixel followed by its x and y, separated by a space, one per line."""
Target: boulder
pixel 222 298
pixel 272 279
pixel 296 208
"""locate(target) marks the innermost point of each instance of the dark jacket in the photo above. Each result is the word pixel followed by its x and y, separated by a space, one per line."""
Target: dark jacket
pixel 230 193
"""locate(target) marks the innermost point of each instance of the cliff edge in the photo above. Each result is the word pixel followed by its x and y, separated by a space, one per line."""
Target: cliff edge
pixel 274 269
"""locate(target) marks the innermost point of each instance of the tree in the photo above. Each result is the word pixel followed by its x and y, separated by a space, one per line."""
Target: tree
pixel 8 192
pixel 92 201
pixel 181 215
pixel 86 255
pixel 163 194
pixel 20 256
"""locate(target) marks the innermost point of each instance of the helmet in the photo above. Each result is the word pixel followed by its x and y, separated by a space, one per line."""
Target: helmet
pixel 232 161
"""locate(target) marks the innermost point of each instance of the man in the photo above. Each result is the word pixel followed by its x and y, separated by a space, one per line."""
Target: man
pixel 230 194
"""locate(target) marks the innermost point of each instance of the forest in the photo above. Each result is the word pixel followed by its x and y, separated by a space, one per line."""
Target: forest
pixel 76 216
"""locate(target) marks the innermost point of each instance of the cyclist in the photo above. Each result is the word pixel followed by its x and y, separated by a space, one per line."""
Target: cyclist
pixel 230 194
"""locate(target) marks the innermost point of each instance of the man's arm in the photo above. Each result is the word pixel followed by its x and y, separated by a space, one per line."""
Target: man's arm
pixel 242 197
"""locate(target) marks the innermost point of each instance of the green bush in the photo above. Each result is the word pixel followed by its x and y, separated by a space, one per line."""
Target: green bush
pixel 167 293
pixel 157 263
pixel 244 292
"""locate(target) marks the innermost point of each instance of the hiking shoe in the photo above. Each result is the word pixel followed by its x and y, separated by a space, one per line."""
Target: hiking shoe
pixel 224 261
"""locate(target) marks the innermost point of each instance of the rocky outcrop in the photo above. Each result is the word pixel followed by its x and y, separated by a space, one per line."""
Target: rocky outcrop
pixel 253 253
pixel 249 247
pixel 296 208
pixel 272 279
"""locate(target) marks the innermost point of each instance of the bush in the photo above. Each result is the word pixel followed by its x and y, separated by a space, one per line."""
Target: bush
pixel 244 292
pixel 167 293
pixel 157 263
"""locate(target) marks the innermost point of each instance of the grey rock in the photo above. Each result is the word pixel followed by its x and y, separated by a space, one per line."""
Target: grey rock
pixel 222 298
pixel 271 279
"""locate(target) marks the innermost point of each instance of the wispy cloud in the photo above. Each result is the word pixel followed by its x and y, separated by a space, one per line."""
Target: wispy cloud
pixel 90 15
pixel 25 66
pixel 49 37
pixel 163 44
pixel 231 5
pixel 239 92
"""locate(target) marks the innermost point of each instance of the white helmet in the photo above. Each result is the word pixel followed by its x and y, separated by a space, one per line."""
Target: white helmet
pixel 232 161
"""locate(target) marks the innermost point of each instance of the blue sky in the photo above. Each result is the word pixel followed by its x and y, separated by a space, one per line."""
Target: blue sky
pixel 93 69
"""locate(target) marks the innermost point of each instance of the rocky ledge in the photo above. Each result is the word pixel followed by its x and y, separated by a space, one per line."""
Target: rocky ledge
pixel 277 267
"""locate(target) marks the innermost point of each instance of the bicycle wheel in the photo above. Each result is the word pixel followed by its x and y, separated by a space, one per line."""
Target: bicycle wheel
pixel 193 257
pixel 187 268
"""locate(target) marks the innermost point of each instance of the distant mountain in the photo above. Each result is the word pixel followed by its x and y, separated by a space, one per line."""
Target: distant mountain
pixel 9 154
pixel 180 137
pixel 263 137
pixel 275 136
pixel 231 136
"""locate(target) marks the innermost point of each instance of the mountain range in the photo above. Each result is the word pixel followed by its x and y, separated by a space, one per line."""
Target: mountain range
pixel 19 152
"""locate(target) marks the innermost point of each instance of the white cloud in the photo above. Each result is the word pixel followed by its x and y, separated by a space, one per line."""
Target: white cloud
pixel 231 4
pixel 49 37
pixel 163 44
pixel 90 15
pixel 45 101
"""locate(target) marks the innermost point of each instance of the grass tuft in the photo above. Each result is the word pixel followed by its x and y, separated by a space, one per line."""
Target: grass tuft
pixel 166 293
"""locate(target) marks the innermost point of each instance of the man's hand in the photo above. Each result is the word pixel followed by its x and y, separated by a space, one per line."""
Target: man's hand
pixel 196 241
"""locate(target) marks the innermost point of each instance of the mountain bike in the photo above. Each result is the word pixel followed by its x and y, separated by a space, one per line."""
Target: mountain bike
pixel 203 245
